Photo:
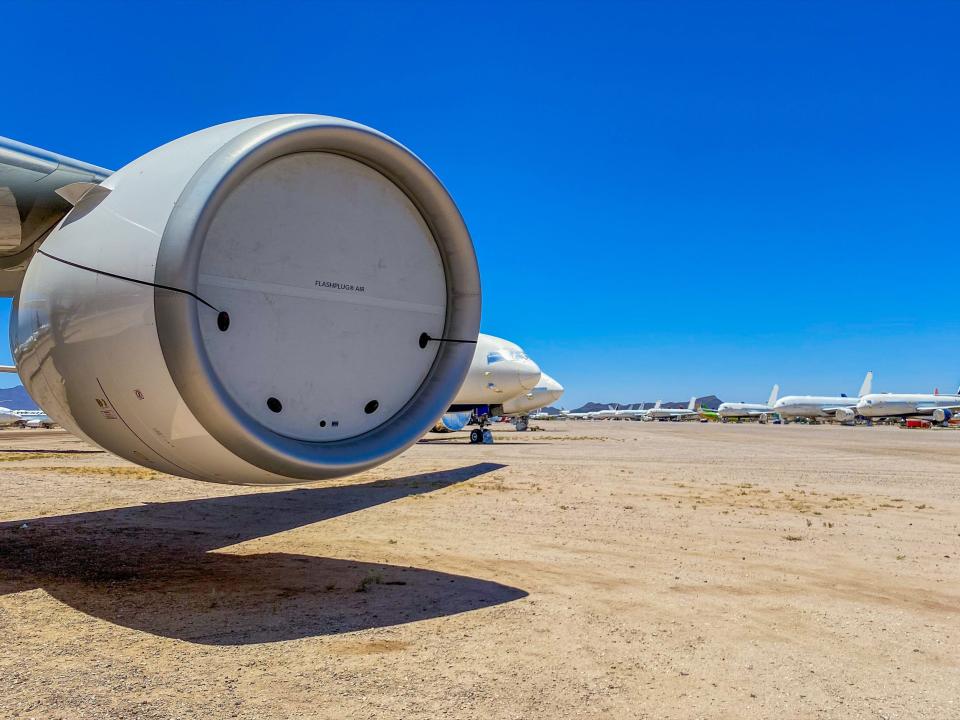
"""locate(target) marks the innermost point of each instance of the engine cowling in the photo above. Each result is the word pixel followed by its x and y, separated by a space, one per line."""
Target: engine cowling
pixel 942 415
pixel 259 302
pixel 452 422
pixel 845 415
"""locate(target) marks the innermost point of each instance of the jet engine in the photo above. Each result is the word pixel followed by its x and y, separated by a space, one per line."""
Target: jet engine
pixel 272 300
pixel 452 422
pixel 845 415
pixel 942 415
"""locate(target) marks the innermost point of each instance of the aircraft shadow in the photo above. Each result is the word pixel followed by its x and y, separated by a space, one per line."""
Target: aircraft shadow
pixel 152 567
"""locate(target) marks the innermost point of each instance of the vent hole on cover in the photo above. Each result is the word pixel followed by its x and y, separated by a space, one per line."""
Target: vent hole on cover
pixel 223 321
pixel 323 423
pixel 371 407
pixel 274 404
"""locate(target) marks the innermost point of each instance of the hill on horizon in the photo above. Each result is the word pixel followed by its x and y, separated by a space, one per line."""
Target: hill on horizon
pixel 17 398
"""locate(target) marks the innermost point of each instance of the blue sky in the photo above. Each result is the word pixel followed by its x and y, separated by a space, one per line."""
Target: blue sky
pixel 666 198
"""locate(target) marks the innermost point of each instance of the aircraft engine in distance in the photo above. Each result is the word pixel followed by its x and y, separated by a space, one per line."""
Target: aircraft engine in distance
pixel 452 422
pixel 942 415
pixel 260 302
pixel 845 415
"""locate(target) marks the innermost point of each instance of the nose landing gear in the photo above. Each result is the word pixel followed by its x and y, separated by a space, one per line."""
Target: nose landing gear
pixel 481 435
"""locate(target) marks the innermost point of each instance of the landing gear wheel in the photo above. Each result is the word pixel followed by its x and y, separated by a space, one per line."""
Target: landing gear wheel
pixel 521 425
pixel 476 436
pixel 487 437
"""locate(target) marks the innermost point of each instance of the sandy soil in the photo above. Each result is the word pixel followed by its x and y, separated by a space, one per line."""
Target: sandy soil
pixel 591 570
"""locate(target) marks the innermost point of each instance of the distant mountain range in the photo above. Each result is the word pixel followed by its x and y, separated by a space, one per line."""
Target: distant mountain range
pixel 16 398
pixel 711 402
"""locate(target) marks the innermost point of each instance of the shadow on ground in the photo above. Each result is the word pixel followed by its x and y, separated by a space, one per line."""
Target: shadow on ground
pixel 152 567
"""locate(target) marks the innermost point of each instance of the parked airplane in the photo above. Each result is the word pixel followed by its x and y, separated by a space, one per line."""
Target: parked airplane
pixel 9 417
pixel 271 300
pixel 662 413
pixel 816 406
pixel 544 393
pixel 706 414
pixel 608 412
pixel 499 373
pixel 35 419
pixel 728 410
pixel 937 408
pixel 638 413
pixel 567 415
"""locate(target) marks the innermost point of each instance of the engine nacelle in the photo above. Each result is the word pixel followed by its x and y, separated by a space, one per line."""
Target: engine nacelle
pixel 452 422
pixel 259 302
pixel 845 415
pixel 942 415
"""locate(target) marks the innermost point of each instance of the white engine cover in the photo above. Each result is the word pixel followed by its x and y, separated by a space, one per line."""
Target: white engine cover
pixel 845 415
pixel 250 304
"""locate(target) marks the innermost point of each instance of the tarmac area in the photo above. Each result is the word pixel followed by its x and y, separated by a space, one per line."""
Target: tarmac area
pixel 588 570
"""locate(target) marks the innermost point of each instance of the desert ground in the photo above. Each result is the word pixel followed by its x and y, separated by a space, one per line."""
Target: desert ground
pixel 588 570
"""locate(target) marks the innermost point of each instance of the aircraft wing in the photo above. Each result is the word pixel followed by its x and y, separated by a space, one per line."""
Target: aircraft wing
pixel 35 193
pixel 931 408
pixel 836 409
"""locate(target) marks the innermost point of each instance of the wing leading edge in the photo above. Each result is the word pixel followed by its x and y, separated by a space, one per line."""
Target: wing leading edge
pixel 29 203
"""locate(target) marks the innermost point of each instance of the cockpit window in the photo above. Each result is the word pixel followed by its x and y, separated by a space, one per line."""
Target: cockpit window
pixel 517 355
pixel 494 357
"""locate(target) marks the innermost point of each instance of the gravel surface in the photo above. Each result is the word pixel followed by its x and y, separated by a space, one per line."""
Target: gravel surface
pixel 589 570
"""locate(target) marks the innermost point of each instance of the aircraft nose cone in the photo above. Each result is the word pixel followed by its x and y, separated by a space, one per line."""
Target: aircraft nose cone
pixel 528 374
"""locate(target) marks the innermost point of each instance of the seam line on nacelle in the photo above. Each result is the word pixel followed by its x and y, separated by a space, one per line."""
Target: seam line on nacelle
pixel 314 293
pixel 134 432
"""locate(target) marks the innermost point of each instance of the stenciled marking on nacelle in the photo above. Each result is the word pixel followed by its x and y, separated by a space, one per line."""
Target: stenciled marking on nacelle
pixel 353 298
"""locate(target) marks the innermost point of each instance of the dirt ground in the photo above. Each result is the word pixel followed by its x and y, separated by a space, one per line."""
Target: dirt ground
pixel 590 570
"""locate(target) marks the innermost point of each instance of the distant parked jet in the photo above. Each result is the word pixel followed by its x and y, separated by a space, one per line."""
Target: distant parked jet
pixel 748 410
pixel 815 406
pixel 662 413
pixel 937 408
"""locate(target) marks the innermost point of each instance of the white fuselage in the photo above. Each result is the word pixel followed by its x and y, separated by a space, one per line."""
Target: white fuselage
pixel 500 371
pixel 660 413
pixel 632 414
pixel 903 405
pixel 811 406
pixel 736 410
pixel 41 421
pixel 545 392
pixel 604 414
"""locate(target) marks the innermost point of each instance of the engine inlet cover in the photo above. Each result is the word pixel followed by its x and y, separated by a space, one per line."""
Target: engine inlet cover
pixel 327 271
pixel 245 304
